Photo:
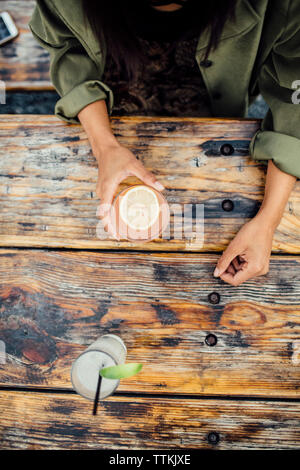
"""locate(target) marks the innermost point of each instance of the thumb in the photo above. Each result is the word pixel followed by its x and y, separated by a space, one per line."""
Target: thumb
pixel 147 177
pixel 107 194
pixel 224 261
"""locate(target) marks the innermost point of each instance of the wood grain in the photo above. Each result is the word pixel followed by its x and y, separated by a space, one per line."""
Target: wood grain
pixel 55 303
pixel 26 63
pixel 48 178
pixel 35 421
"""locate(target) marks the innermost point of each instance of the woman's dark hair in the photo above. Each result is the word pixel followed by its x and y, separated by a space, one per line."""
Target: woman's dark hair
pixel 112 22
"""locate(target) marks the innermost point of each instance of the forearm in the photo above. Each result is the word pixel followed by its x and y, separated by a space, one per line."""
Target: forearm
pixel 95 121
pixel 277 191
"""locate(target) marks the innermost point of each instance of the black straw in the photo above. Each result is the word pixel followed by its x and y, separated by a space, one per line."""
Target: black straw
pixel 97 395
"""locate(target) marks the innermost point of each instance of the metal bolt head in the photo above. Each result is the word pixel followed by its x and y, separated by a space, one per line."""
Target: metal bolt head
pixel 227 149
pixel 211 340
pixel 214 298
pixel 227 205
pixel 213 438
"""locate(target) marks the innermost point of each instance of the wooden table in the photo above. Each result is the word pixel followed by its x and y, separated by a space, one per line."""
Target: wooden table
pixel 24 63
pixel 62 287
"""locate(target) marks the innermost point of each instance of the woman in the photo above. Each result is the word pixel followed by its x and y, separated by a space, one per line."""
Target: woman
pixel 133 50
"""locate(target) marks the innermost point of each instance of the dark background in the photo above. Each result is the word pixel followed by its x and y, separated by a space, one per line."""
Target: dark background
pixel 44 102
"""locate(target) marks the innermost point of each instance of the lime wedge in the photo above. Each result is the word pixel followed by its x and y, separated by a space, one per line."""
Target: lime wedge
pixel 122 371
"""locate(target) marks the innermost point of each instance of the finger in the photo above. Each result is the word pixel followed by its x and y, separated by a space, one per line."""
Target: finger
pixel 224 261
pixel 107 194
pixel 109 227
pixel 109 223
pixel 147 177
pixel 102 210
pixel 241 259
pixel 239 277
pixel 237 265
pixel 230 269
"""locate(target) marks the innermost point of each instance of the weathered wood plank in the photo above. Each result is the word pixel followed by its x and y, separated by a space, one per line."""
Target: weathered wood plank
pixel 53 304
pixel 57 421
pixel 25 65
pixel 48 178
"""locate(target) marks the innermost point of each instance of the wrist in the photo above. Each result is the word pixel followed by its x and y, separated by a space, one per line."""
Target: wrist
pixel 102 148
pixel 268 219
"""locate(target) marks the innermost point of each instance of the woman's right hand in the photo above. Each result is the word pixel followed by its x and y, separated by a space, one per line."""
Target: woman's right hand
pixel 115 161
pixel 115 164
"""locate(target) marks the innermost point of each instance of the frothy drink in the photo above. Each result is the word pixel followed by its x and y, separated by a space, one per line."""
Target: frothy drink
pixel 108 350
pixel 140 213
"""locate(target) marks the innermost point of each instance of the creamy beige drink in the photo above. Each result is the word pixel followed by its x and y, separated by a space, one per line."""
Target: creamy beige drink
pixel 140 213
pixel 108 350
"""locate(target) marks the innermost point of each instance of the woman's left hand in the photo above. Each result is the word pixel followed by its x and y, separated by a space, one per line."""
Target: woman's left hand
pixel 248 254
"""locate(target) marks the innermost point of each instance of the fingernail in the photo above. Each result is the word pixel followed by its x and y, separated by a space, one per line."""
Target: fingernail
pixel 159 186
pixel 217 272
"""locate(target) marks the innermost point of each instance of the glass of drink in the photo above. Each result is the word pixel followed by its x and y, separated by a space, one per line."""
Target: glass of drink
pixel 140 213
pixel 108 350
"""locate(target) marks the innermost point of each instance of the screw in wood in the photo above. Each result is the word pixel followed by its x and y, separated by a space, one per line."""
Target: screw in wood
pixel 211 340
pixel 214 298
pixel 227 205
pixel 213 438
pixel 227 149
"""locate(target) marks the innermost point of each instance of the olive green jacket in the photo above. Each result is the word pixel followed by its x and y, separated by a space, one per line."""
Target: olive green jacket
pixel 259 52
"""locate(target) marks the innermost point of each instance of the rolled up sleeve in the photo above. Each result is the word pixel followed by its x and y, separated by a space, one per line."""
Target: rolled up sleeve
pixel 279 136
pixel 74 74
